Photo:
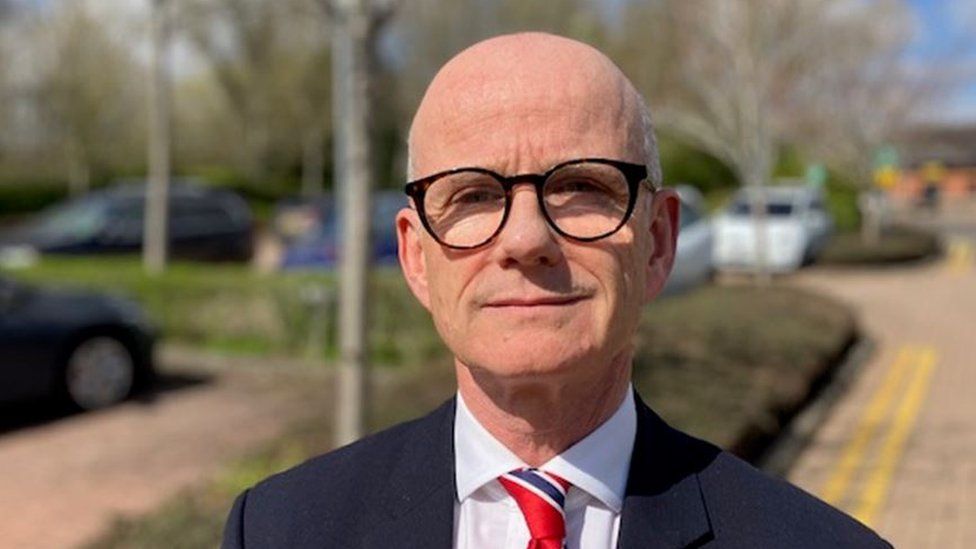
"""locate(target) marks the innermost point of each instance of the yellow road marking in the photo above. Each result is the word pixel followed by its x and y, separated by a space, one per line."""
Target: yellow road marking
pixel 836 486
pixel 876 489
pixel 960 256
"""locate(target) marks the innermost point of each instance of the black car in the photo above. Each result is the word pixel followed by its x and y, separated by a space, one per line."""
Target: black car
pixel 204 224
pixel 92 349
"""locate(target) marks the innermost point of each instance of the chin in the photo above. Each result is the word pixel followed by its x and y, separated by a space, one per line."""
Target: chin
pixel 531 354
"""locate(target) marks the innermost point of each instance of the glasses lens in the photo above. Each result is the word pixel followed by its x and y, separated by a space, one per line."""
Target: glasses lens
pixel 587 200
pixel 465 208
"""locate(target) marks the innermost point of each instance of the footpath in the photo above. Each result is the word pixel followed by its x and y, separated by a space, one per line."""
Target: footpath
pixel 64 479
pixel 898 451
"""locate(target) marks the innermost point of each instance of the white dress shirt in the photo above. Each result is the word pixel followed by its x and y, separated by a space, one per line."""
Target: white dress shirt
pixel 486 517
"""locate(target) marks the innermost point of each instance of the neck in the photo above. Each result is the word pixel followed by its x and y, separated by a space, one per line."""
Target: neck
pixel 539 418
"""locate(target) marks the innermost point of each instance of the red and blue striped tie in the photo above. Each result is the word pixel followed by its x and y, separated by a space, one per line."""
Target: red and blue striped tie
pixel 541 496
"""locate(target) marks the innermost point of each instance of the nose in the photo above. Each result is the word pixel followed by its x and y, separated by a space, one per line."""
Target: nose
pixel 526 238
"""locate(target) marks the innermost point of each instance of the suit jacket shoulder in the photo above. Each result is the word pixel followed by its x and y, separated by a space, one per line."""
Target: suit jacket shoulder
pixel 702 496
pixel 746 503
pixel 345 497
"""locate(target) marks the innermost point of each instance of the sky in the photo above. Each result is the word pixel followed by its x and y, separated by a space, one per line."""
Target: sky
pixel 946 39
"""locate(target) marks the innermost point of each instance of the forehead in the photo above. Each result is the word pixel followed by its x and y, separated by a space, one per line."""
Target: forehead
pixel 520 115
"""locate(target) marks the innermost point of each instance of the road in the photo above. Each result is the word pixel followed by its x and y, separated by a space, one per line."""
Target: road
pixel 899 449
pixel 65 477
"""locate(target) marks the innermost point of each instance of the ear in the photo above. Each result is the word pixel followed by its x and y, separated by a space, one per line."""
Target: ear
pixel 411 254
pixel 665 209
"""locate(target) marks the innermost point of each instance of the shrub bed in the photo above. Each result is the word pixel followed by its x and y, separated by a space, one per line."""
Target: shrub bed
pixel 898 244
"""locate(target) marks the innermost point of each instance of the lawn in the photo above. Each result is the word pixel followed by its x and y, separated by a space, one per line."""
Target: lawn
pixel 230 308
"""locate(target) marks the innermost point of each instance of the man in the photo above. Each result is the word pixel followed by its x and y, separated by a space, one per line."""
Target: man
pixel 537 231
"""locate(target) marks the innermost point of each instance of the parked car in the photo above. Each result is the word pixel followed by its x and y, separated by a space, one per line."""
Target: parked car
pixel 693 265
pixel 91 349
pixel 315 243
pixel 204 224
pixel 797 228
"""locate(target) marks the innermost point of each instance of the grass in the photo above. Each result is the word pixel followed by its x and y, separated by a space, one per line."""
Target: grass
pixel 724 363
pixel 231 309
pixel 898 245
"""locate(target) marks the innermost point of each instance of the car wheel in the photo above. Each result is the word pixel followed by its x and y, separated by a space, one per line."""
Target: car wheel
pixel 100 371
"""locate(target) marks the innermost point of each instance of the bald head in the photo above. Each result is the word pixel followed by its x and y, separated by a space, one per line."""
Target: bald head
pixel 516 100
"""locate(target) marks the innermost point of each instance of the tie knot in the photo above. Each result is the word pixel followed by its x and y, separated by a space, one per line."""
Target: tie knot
pixel 541 497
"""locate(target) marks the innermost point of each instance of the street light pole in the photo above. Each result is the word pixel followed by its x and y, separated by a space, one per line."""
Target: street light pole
pixel 155 230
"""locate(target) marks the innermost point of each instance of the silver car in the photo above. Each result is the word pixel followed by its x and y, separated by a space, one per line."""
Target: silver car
pixel 693 263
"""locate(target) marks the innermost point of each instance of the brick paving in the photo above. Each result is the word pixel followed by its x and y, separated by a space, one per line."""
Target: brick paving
pixel 64 480
pixel 929 500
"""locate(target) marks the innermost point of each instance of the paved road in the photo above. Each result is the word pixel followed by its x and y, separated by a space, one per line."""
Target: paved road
pixel 899 450
pixel 63 478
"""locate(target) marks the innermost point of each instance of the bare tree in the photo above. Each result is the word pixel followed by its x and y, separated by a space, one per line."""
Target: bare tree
pixel 736 67
pixel 6 94
pixel 271 60
pixel 861 96
pixel 310 72
pixel 86 90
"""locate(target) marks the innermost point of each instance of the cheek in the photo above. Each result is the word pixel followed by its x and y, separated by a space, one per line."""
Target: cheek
pixel 449 309
pixel 625 287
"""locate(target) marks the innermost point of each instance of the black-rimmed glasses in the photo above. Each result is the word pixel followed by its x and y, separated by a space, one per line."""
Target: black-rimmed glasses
pixel 585 199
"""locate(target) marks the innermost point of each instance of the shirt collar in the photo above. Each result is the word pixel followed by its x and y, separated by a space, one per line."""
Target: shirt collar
pixel 598 464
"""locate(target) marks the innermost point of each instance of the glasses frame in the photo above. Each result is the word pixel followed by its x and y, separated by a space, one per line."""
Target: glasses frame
pixel 634 174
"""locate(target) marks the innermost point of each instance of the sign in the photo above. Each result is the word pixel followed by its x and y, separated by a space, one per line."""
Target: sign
pixel 886 156
pixel 886 177
pixel 816 175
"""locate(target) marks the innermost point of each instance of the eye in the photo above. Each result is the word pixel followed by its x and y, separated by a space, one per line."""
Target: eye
pixel 576 185
pixel 476 195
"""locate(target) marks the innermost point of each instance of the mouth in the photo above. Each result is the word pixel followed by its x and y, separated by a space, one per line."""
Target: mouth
pixel 533 302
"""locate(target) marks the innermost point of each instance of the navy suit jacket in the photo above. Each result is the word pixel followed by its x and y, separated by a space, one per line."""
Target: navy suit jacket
pixel 396 489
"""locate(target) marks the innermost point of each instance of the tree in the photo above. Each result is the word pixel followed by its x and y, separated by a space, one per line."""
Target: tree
pixel 271 61
pixel 861 96
pixel 86 91
pixel 6 93
pixel 741 70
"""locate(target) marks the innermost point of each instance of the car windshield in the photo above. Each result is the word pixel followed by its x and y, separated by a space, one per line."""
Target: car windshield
pixel 773 208
pixel 79 219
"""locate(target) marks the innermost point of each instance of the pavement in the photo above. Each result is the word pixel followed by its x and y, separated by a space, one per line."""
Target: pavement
pixel 64 478
pixel 898 451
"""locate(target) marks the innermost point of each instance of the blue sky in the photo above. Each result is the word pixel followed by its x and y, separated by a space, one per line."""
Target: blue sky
pixel 946 41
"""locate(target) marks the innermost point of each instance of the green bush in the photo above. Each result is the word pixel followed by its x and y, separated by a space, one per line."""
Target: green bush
pixel 20 199
pixel 842 203
pixel 682 163
pixel 898 244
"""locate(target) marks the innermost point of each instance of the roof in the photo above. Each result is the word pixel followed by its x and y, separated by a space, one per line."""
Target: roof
pixel 953 145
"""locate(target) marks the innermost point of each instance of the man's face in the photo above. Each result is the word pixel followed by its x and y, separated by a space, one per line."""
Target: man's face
pixel 532 302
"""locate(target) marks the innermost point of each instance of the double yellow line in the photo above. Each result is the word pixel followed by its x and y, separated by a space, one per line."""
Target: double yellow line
pixel 960 256
pixel 894 407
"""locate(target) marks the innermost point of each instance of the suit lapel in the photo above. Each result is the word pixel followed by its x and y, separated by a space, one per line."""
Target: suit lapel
pixel 418 509
pixel 663 506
